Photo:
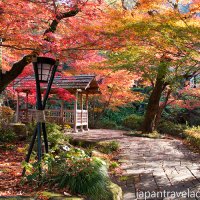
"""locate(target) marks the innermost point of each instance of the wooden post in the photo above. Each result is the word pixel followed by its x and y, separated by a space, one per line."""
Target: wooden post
pixel 87 129
pixel 75 112
pixel 27 106
pixel 81 112
pixel 17 108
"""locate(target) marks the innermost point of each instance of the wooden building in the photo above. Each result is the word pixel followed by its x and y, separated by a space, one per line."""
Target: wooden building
pixel 80 86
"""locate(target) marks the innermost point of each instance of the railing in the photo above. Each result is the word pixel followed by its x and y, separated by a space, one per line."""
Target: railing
pixel 57 116
pixel 82 117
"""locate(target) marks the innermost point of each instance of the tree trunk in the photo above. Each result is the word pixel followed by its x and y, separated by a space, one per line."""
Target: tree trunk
pixel 149 123
pixel 161 108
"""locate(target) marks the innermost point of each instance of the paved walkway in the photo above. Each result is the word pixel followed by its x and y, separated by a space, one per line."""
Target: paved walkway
pixel 162 167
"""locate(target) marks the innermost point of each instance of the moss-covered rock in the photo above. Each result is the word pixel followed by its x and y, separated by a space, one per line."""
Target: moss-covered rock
pixel 116 191
pixel 19 129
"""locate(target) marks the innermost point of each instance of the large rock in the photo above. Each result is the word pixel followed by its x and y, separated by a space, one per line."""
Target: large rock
pixel 116 191
pixel 19 129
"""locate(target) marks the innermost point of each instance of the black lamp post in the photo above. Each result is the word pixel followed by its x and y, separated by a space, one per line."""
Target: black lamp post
pixel 45 69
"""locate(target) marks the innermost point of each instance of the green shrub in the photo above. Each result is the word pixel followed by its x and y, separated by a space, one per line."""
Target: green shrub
pixel 182 115
pixel 73 170
pixel 7 135
pixel 192 135
pixel 55 135
pixel 30 128
pixel 117 115
pixel 133 121
pixel 107 124
pixel 168 127
pixel 81 174
pixel 90 180
pixel 6 114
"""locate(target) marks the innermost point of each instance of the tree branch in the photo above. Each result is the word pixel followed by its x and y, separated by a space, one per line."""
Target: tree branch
pixel 19 66
pixel 59 17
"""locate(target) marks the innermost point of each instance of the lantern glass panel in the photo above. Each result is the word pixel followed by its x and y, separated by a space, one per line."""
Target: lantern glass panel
pixel 44 71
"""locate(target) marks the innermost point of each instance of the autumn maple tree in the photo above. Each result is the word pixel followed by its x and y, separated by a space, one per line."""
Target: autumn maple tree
pixel 49 28
pixel 159 43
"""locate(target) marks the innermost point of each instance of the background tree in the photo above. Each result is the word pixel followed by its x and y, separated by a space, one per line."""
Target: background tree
pixel 159 43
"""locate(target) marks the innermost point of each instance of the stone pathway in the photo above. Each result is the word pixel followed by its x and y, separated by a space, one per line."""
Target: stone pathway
pixel 155 168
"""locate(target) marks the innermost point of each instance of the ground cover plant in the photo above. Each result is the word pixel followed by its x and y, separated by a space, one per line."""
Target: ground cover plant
pixel 192 135
pixel 106 147
pixel 6 116
pixel 154 135
pixel 74 171
pixel 105 150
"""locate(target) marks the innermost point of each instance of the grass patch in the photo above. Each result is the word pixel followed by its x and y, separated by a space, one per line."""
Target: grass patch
pixel 192 135
pixel 154 135
pixel 106 147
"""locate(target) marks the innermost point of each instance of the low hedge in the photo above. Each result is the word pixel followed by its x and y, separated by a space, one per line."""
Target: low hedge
pixel 133 122
pixel 190 134
pixel 168 127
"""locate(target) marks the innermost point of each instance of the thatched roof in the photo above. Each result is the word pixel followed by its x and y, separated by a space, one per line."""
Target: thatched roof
pixel 87 83
pixel 83 83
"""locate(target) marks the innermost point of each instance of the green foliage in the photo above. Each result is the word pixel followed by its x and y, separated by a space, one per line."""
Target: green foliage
pixel 54 132
pixel 6 114
pixel 182 115
pixel 145 90
pixel 80 173
pixel 110 118
pixel 104 147
pixel 118 114
pixel 168 127
pixel 192 135
pixel 133 121
pixel 73 170
pixel 7 135
pixel 55 135
pixel 30 128
pixel 32 172
pixel 175 114
pixel 88 178
pixel 108 147
pixel 154 135
pixel 113 165
pixel 107 124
